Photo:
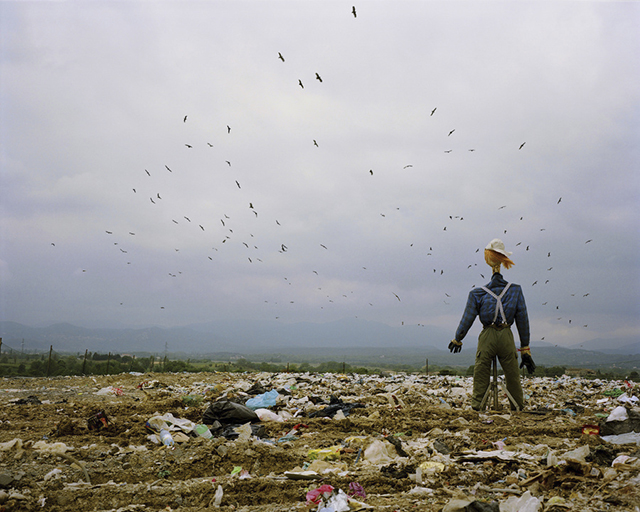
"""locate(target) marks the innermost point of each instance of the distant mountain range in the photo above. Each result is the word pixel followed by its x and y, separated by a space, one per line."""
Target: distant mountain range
pixel 351 340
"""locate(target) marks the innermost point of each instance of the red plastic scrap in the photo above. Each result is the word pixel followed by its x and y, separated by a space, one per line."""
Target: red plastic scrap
pixel 316 495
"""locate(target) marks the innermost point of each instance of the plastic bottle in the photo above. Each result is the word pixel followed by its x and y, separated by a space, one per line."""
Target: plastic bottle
pixel 165 437
pixel 203 431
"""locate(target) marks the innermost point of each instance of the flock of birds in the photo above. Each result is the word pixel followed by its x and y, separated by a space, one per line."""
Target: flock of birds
pixel 228 230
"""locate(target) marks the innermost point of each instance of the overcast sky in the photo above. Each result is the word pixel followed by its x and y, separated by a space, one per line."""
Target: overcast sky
pixel 439 126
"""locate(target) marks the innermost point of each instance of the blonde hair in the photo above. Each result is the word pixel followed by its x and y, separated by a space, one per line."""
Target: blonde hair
pixel 494 258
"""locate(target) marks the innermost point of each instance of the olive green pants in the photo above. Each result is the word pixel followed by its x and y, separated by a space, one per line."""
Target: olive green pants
pixel 496 342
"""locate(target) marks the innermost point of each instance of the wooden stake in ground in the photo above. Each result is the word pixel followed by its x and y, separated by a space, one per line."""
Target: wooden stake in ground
pixel 84 362
pixel 49 363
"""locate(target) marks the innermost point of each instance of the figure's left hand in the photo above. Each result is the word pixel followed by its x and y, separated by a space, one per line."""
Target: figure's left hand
pixel 455 346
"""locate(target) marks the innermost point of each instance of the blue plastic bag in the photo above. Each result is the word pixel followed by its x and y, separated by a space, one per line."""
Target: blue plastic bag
pixel 263 401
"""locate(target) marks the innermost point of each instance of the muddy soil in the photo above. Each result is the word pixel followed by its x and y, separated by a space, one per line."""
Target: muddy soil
pixel 428 419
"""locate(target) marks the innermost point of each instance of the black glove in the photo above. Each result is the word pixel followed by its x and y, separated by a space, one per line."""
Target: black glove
pixel 455 346
pixel 527 361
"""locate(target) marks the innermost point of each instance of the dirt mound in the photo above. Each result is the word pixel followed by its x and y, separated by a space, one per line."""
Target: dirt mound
pixel 411 443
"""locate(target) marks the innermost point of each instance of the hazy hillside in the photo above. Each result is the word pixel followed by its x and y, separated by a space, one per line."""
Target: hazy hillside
pixel 350 340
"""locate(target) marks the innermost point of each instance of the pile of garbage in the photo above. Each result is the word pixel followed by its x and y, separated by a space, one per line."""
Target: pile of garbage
pixel 318 442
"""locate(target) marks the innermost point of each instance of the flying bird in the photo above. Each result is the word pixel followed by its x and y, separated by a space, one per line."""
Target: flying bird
pixel 521 146
pixel 323 246
pixel 407 166
pixel 397 297
pixel 433 111
pixel 590 240
pixel 209 144
pixel 158 194
pixel 134 190
pixel 185 119
pixel 318 77
pixel 148 174
pixel 188 146
pixel 353 11
pixel 448 151
pixel 280 57
pixel 250 205
pixel 451 132
pixel 201 227
pixel 151 199
pixel 238 184
pixel 371 171
pixel 315 143
pixel 559 200
pixel 168 168
pixel 300 83
pixel 228 162
pixel 188 219
pixel 228 129
pixel 502 207
pixel 109 232
pixel 131 233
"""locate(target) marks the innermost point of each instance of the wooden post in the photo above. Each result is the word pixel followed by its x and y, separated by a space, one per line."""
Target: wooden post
pixel 84 362
pixel 49 363
pixel 108 361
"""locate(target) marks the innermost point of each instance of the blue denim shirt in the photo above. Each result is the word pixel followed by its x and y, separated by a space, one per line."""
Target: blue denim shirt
pixel 481 304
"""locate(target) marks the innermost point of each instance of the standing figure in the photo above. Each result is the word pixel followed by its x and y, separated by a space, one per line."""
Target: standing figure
pixel 498 304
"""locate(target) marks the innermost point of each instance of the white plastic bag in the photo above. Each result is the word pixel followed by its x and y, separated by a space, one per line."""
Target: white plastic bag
pixel 618 414
pixel 525 503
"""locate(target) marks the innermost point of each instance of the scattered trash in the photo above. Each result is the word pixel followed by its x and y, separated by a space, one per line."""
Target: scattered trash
pixel 98 421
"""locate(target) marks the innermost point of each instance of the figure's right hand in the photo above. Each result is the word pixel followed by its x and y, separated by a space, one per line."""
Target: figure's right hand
pixel 455 346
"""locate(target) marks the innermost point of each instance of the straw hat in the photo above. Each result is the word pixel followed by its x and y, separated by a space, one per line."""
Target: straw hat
pixel 498 245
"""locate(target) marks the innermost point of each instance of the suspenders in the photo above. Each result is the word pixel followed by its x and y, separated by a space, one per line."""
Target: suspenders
pixel 499 307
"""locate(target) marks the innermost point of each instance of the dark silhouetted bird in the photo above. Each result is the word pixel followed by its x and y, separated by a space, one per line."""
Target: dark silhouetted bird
pixel 397 297
pixel 559 201
pixel 148 174
pixel 521 146
pixel 228 129
pixel 353 11
pixel 434 111
pixel 109 232
pixel 188 219
pixel 315 143
pixel 238 184
pixel 185 119
pixel 188 146
pixel 448 150
pixel 300 83
pixel 280 57
pixel 451 132
pixel 318 77
pixel 168 168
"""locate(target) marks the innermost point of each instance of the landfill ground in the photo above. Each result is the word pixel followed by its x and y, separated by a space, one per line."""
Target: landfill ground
pixel 442 454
